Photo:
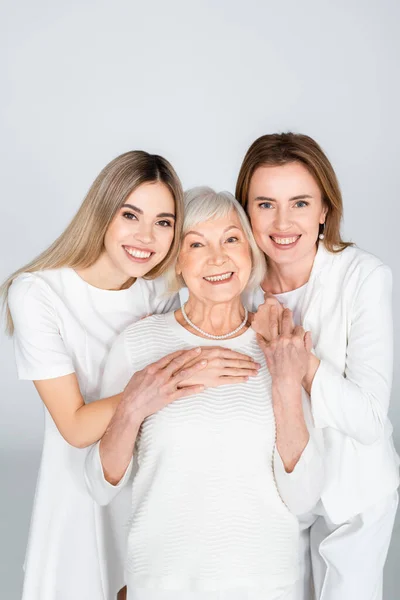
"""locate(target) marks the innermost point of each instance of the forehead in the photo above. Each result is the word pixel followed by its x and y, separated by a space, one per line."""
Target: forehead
pixel 154 197
pixel 216 225
pixel 292 179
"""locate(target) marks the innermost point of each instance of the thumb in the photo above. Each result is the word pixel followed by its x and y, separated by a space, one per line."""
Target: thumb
pixel 308 344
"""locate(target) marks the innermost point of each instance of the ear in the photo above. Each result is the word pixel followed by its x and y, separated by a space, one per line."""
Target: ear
pixel 322 218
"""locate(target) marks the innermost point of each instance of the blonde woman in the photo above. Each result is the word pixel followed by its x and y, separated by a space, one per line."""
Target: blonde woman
pixel 343 296
pixel 218 477
pixel 65 309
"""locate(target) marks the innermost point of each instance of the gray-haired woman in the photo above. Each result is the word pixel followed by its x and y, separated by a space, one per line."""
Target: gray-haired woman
pixel 218 477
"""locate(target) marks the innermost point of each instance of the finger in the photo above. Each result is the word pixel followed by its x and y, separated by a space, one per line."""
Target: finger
pixel 273 322
pixel 286 322
pixel 228 363
pixel 187 373
pixel 261 342
pixel 308 344
pixel 231 381
pixel 191 390
pixel 177 363
pixel 299 332
pixel 163 362
pixel 239 372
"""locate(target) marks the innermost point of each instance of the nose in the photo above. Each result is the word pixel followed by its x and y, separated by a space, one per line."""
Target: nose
pixel 217 256
pixel 282 221
pixel 145 233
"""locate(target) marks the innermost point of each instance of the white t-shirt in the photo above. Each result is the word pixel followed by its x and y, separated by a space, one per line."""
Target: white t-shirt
pixel 292 300
pixel 64 325
pixel 206 512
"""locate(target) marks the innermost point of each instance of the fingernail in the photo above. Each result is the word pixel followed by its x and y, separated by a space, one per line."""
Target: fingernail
pixel 198 350
pixel 203 362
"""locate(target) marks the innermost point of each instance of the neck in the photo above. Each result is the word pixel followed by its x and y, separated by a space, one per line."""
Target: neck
pixel 103 274
pixel 285 278
pixel 216 319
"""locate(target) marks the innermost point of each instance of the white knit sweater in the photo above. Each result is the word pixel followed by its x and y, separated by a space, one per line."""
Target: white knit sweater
pixel 206 510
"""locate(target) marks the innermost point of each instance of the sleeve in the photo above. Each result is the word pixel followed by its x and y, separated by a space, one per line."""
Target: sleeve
pixel 117 373
pixel 40 351
pixel 356 402
pixel 301 489
pixel 160 300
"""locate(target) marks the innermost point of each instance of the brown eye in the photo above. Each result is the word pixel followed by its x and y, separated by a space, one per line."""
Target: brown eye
pixel 129 216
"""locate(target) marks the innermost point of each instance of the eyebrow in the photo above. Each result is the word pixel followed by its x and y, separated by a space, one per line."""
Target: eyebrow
pixel 201 235
pixel 267 199
pixel 139 210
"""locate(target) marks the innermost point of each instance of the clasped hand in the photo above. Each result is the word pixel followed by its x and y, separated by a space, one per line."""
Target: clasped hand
pixel 286 348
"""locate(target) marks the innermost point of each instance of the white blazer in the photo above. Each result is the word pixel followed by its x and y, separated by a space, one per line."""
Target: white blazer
pixel 348 309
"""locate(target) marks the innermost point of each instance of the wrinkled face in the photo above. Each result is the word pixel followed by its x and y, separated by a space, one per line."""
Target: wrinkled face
pixel 285 209
pixel 142 231
pixel 215 259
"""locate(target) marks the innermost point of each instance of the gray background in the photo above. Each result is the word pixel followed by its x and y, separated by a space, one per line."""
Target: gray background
pixel 197 82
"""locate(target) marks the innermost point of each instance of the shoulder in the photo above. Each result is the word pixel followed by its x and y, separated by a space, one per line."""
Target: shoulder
pixel 155 325
pixel 157 296
pixel 144 341
pixel 353 266
pixel 28 289
pixel 153 287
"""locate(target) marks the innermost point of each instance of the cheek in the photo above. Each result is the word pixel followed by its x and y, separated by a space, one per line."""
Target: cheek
pixel 116 232
pixel 165 237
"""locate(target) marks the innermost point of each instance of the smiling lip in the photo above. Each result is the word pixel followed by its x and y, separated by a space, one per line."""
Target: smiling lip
pixel 285 241
pixel 219 278
pixel 138 255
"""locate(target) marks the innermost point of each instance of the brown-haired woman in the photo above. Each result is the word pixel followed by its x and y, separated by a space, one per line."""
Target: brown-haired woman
pixel 65 310
pixel 343 296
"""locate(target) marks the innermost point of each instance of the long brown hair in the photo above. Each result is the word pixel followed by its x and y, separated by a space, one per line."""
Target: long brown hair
pixel 82 242
pixel 283 148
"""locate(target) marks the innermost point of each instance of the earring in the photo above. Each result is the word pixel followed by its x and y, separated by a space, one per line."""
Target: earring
pixel 321 235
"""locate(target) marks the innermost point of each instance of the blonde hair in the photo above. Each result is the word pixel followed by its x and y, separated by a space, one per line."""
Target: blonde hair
pixel 82 242
pixel 204 204
pixel 283 148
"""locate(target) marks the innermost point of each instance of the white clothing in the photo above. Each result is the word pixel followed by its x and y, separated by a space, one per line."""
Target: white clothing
pixel 143 594
pixel 293 300
pixel 348 560
pixel 347 308
pixel 206 512
pixel 64 325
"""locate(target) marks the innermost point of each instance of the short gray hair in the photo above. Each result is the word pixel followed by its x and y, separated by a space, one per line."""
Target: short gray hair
pixel 204 204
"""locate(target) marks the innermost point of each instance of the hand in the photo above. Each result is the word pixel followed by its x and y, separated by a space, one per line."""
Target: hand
pixel 224 367
pixel 261 322
pixel 287 354
pixel 157 385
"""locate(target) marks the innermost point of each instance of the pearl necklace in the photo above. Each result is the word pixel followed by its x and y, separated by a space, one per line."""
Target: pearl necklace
pixel 210 335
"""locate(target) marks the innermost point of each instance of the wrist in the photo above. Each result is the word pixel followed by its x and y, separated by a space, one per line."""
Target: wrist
pixel 131 411
pixel 312 368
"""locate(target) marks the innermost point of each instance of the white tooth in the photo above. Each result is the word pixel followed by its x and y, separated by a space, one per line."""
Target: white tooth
pixel 219 277
pixel 285 241
pixel 138 253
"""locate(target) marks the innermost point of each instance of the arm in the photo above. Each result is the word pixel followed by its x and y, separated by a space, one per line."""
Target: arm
pixel 298 459
pixel 109 462
pixel 80 424
pixel 292 435
pixel 42 357
pixel 307 477
pixel 356 402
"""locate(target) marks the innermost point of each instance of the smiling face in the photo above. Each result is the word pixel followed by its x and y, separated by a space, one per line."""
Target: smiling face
pixel 285 209
pixel 215 259
pixel 142 231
